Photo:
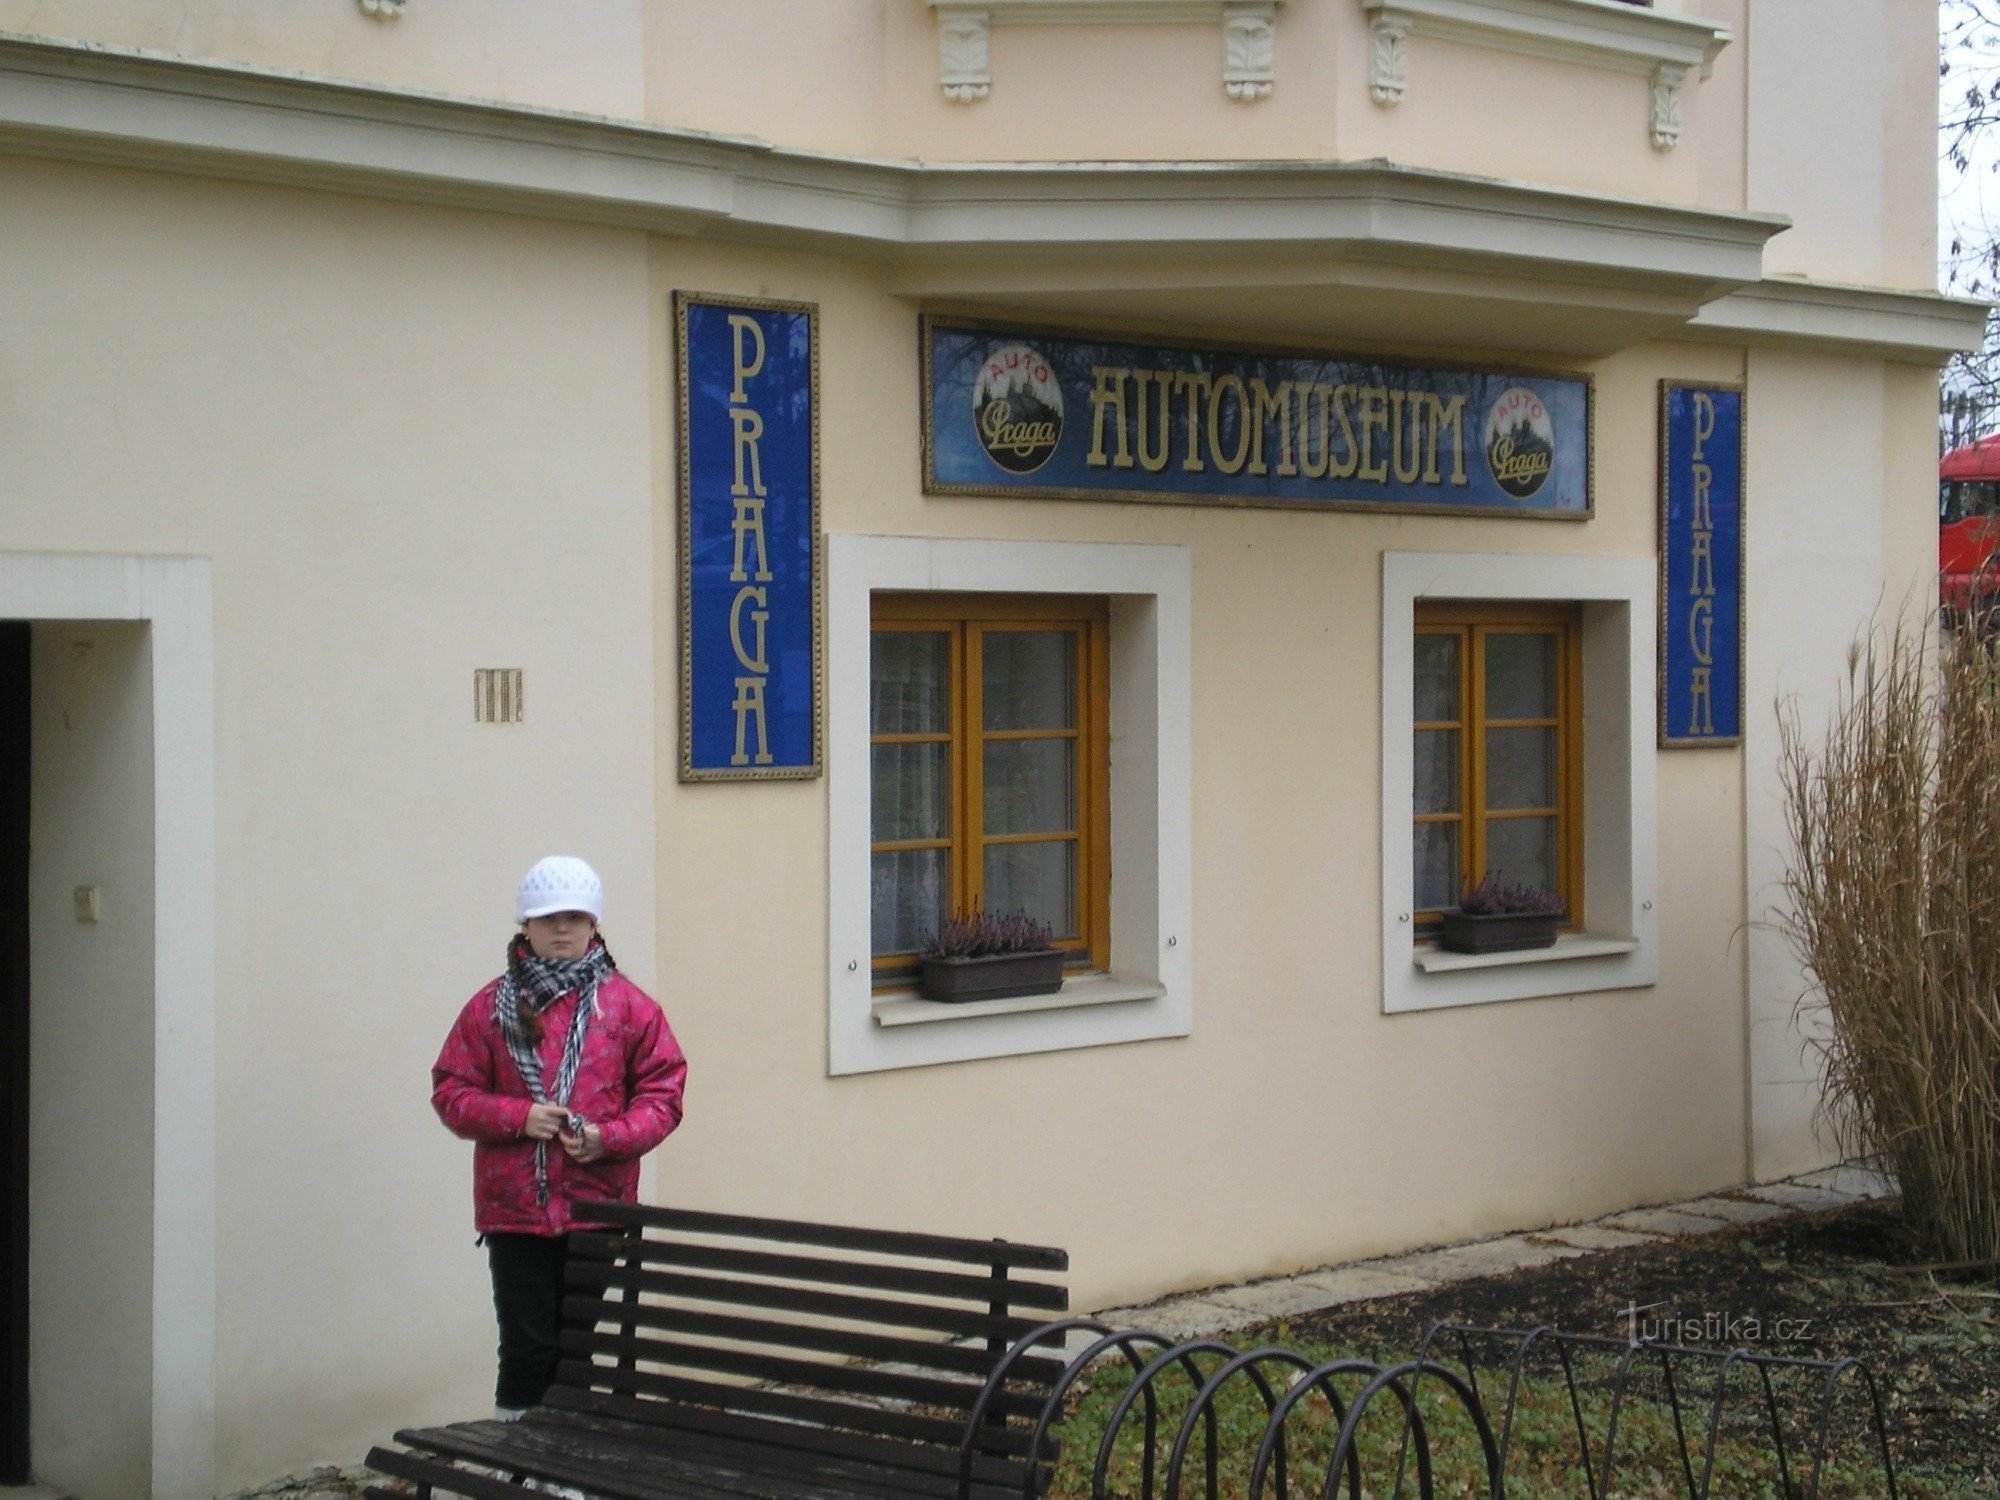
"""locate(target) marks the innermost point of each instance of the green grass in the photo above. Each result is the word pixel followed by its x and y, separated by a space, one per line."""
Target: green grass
pixel 1544 1456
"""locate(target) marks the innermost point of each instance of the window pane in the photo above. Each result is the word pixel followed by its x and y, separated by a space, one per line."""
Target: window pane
pixel 1437 679
pixel 1029 679
pixel 909 888
pixel 1030 786
pixel 910 788
pixel 1437 771
pixel 1039 879
pixel 909 682
pixel 1437 866
pixel 1520 676
pixel 1520 768
pixel 1522 851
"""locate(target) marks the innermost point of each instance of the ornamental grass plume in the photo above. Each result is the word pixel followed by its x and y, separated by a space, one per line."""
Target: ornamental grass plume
pixel 1894 911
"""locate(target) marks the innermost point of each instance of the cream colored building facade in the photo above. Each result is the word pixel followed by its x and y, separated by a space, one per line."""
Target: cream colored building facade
pixel 336 363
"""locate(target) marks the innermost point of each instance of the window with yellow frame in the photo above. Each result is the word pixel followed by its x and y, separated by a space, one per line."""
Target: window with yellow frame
pixel 1498 785
pixel 989 768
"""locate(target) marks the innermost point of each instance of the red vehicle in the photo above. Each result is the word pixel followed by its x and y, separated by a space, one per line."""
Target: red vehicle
pixel 1969 530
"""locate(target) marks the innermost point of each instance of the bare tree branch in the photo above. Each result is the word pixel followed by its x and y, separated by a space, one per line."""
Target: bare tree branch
pixel 1969 151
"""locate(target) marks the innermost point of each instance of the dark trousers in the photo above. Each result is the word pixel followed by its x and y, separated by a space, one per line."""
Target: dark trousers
pixel 527 1299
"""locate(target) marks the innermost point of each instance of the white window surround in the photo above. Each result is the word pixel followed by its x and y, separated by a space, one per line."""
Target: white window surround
pixel 1656 41
pixel 1148 993
pixel 965 69
pixel 1619 945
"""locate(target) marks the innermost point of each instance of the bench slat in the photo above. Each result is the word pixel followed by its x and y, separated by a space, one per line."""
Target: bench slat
pixel 831 1236
pixel 663 1477
pixel 860 1380
pixel 821 1410
pixel 888 1471
pixel 690 1428
pixel 926 1353
pixel 926 1315
pixel 979 1290
pixel 616 1461
pixel 1005 1472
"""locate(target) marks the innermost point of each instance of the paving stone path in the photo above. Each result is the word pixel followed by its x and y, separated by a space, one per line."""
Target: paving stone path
pixel 1218 1309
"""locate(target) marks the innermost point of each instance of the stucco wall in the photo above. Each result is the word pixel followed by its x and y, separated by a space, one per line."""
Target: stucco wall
pixel 414 444
pixel 1841 143
pixel 1799 116
pixel 578 57
pixel 861 77
pixel 1842 542
pixel 1297 1124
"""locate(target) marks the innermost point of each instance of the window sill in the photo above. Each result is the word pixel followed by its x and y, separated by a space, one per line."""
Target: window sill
pixel 905 1009
pixel 1434 960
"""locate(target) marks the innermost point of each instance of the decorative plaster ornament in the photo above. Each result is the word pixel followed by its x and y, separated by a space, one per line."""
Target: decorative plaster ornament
pixel 1249 48
pixel 383 10
pixel 1388 58
pixel 964 67
pixel 1668 80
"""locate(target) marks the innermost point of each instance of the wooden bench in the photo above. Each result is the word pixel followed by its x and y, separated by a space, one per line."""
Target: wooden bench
pixel 716 1355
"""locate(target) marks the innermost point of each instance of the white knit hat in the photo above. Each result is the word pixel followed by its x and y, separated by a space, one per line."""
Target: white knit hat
pixel 559 883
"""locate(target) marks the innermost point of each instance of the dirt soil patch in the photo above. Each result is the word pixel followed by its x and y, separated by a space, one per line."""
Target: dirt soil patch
pixel 1819 1286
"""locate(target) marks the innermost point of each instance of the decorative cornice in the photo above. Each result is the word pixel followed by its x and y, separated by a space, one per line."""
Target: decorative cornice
pixel 1217 219
pixel 965 69
pixel 1914 327
pixel 224 120
pixel 1664 46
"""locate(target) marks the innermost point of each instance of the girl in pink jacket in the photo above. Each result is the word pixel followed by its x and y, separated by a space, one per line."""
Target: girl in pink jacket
pixel 562 1073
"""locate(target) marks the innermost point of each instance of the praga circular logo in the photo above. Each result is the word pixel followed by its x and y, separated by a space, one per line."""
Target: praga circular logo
pixel 1520 442
pixel 1017 406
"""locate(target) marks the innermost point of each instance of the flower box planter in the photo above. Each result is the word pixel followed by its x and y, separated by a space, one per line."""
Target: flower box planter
pixel 996 976
pixel 1503 932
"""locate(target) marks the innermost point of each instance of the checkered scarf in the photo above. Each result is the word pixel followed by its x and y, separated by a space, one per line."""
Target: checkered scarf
pixel 541 982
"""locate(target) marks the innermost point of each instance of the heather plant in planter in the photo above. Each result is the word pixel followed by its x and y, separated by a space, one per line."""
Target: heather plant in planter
pixel 1495 917
pixel 983 955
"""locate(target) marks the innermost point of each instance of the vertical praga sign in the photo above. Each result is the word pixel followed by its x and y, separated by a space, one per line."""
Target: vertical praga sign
pixel 750 556
pixel 1701 564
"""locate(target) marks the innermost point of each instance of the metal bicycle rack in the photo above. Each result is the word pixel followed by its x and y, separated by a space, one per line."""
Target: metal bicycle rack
pixel 1350 1388
pixel 1673 1362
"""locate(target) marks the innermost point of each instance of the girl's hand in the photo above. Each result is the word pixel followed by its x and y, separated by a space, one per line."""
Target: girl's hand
pixel 544 1122
pixel 586 1146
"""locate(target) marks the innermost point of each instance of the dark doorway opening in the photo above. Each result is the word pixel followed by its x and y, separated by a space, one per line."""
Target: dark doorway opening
pixel 14 762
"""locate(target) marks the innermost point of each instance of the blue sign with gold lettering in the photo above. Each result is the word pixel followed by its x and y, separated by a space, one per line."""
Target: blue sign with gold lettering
pixel 1701 564
pixel 1011 411
pixel 750 576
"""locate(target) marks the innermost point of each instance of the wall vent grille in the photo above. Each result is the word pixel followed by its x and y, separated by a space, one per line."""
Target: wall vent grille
pixel 496 695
